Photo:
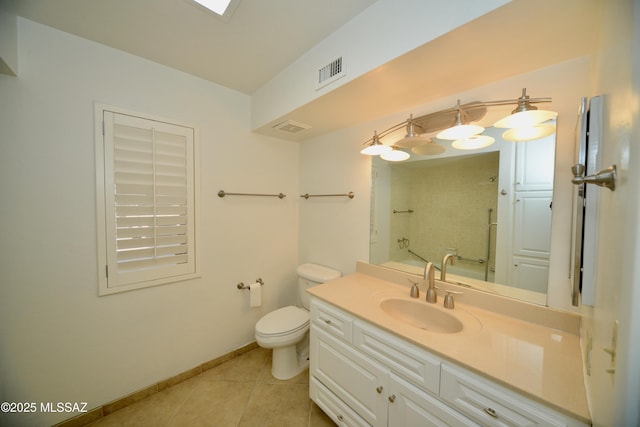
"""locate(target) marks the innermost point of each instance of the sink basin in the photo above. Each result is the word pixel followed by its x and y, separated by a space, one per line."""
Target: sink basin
pixel 421 315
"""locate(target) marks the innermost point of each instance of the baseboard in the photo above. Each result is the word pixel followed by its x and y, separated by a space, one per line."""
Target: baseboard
pixel 95 414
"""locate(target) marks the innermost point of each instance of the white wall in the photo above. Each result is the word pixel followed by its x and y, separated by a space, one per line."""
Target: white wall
pixel 59 341
pixel 8 44
pixel 393 27
pixel 614 397
pixel 333 161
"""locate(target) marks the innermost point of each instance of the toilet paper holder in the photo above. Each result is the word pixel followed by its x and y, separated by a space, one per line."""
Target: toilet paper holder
pixel 241 285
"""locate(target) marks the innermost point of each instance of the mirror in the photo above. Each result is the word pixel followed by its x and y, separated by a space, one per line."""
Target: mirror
pixel 490 208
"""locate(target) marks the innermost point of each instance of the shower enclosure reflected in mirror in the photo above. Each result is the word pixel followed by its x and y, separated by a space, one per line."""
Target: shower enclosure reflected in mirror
pixel 490 208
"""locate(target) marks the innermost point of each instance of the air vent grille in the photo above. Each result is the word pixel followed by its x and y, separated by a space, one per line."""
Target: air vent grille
pixel 291 127
pixel 331 72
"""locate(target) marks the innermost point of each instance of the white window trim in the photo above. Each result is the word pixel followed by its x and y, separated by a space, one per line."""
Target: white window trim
pixel 103 229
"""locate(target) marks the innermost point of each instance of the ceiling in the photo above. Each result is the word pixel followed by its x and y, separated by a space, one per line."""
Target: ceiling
pixel 517 38
pixel 260 39
pixel 263 37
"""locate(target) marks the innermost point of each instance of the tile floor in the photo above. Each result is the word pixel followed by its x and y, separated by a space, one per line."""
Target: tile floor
pixel 241 392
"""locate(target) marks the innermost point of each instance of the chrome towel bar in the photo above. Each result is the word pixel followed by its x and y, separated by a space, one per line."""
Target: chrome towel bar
pixel 223 193
pixel 349 195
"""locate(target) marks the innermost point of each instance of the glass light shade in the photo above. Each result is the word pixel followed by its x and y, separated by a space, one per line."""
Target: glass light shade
pixel 411 141
pixel 395 155
pixel 429 149
pixel 460 132
pixel 473 143
pixel 525 119
pixel 375 149
pixel 529 133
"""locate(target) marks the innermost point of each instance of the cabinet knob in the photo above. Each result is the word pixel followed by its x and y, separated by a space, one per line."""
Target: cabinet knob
pixel 340 418
pixel 491 412
pixel 379 389
pixel 392 398
pixel 328 322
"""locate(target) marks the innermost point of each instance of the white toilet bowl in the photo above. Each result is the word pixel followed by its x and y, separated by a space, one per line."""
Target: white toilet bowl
pixel 286 330
pixel 282 330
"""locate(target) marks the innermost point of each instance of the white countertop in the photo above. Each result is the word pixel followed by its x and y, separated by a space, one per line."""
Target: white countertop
pixel 540 362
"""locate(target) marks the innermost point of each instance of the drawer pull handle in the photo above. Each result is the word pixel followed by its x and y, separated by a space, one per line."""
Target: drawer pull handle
pixel 392 398
pixel 379 389
pixel 491 412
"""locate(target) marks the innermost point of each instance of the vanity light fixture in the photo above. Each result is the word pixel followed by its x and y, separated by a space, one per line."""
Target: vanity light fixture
pixel 525 123
pixel 525 114
pixel 412 139
pixel 395 155
pixel 529 133
pixel 474 142
pixel 460 130
pixel 375 148
pixel 428 149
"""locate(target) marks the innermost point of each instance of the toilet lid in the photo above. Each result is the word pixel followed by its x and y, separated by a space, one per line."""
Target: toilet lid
pixel 283 320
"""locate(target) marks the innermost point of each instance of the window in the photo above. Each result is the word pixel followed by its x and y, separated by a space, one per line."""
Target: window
pixel 147 186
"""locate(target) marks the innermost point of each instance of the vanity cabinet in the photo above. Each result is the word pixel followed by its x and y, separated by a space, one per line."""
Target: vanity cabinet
pixel 362 375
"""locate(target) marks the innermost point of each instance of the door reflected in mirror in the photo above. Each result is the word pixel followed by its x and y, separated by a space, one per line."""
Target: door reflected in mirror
pixel 490 208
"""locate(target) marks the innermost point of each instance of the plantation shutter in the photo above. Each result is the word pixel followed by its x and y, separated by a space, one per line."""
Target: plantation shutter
pixel 149 201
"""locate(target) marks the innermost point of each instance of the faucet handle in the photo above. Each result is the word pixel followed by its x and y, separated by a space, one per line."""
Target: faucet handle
pixel 415 290
pixel 448 299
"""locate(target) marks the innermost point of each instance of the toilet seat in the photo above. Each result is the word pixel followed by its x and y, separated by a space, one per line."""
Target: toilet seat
pixel 284 321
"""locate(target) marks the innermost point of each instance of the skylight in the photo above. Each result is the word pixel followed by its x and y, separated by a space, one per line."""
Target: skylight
pixel 217 6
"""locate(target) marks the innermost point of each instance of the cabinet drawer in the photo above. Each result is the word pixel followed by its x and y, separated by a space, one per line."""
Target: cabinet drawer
pixel 408 361
pixel 335 408
pixel 332 320
pixel 494 405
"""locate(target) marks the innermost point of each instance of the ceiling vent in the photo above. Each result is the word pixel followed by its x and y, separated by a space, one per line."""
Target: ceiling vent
pixel 290 126
pixel 331 72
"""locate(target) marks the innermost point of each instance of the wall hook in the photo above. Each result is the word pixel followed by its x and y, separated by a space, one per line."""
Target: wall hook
pixel 604 178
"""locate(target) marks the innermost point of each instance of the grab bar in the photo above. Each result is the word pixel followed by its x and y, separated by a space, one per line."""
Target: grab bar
pixel 478 260
pixel 422 259
pixel 349 195
pixel 223 193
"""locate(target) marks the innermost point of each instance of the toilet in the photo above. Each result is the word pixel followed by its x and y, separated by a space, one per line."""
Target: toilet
pixel 286 330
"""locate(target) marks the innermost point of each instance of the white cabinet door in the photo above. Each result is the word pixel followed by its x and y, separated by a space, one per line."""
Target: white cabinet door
pixel 530 273
pixel 532 225
pixel 411 407
pixel 353 378
pixel 535 161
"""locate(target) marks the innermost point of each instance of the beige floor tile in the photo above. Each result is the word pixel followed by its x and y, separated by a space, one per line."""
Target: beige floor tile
pixel 214 403
pixel 278 405
pixel 317 418
pixel 155 410
pixel 246 367
pixel 267 377
pixel 238 393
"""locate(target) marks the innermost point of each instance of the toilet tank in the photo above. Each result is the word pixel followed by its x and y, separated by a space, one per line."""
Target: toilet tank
pixel 311 275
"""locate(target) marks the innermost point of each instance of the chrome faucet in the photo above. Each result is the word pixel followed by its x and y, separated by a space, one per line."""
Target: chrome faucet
pixel 429 275
pixel 443 272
